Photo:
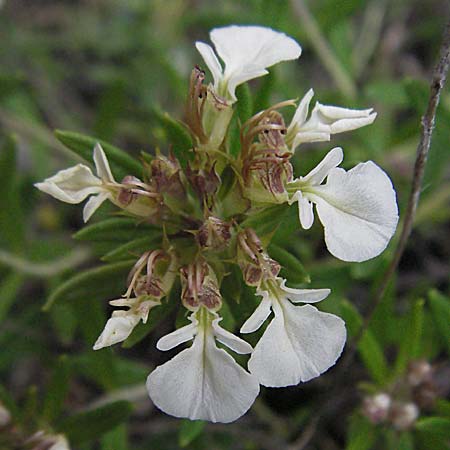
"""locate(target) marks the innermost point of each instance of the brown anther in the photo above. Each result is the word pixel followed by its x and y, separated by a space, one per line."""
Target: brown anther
pixel 200 287
pixel 256 265
pixel 214 233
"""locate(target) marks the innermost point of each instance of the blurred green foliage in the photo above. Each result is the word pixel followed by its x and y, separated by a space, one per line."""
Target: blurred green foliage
pixel 119 71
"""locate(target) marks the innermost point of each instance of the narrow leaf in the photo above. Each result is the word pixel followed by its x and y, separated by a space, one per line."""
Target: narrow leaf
pixel 369 348
pixel 435 426
pixel 115 229
pixel 90 425
pixel 134 248
pixel 57 389
pixel 189 431
pixel 177 136
pixel 410 341
pixel 97 282
pixel 292 268
pixel 440 308
pixel 121 162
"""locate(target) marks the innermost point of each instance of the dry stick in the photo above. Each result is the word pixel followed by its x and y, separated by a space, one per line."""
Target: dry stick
pixel 317 40
pixel 428 120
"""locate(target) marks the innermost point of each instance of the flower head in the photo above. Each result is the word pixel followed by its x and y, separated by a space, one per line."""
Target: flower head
pixel 324 121
pixel 357 208
pixel 77 183
pixel 246 51
pixel 300 342
pixel 203 382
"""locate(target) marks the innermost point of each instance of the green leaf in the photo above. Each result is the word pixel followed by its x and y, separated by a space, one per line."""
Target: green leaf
pixel 90 425
pixel 369 349
pixel 115 229
pixel 361 434
pixel 134 248
pixel 177 135
pixel 157 314
pixel 57 389
pixel 292 268
pixel 11 211
pixel 189 431
pixel 410 341
pixel 99 282
pixel 9 289
pixel 440 309
pixel 443 407
pixel 240 298
pixel 266 220
pixel 405 441
pixel 121 162
pixel 438 427
pixel 116 439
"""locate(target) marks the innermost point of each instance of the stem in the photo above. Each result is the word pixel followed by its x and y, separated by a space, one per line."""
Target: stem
pixel 428 120
pixel 48 269
pixel 325 53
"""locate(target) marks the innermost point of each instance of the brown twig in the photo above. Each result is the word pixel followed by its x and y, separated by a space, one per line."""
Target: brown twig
pixel 428 121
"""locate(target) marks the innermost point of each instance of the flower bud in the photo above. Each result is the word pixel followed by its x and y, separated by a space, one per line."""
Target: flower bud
pixel 166 176
pixel 159 276
pixel 216 118
pixel 256 265
pixel 205 181
pixel 419 372
pixel 376 408
pixel 266 166
pixel 200 287
pixel 214 233
pixel 403 415
pixel 136 197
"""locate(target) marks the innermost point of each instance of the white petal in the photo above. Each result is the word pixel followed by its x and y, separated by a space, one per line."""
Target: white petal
pixel 179 336
pixel 337 112
pixel 236 344
pixel 352 124
pixel 333 158
pixel 117 329
pixel 102 165
pixel 93 204
pixel 302 111
pixel 259 316
pixel 298 345
pixel 71 185
pixel 304 137
pixel 248 50
pixel 203 383
pixel 305 210
pixel 211 61
pixel 358 210
pixel 339 119
pixel 304 295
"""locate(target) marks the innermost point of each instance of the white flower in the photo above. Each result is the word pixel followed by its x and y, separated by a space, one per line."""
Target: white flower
pixel 300 342
pixel 203 382
pixel 122 322
pixel 246 51
pixel 358 208
pixel 75 184
pixel 324 121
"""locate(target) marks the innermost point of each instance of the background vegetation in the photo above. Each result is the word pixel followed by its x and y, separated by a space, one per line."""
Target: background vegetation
pixel 110 69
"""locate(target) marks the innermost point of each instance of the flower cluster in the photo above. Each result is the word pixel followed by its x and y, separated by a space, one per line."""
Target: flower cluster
pixel 203 208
